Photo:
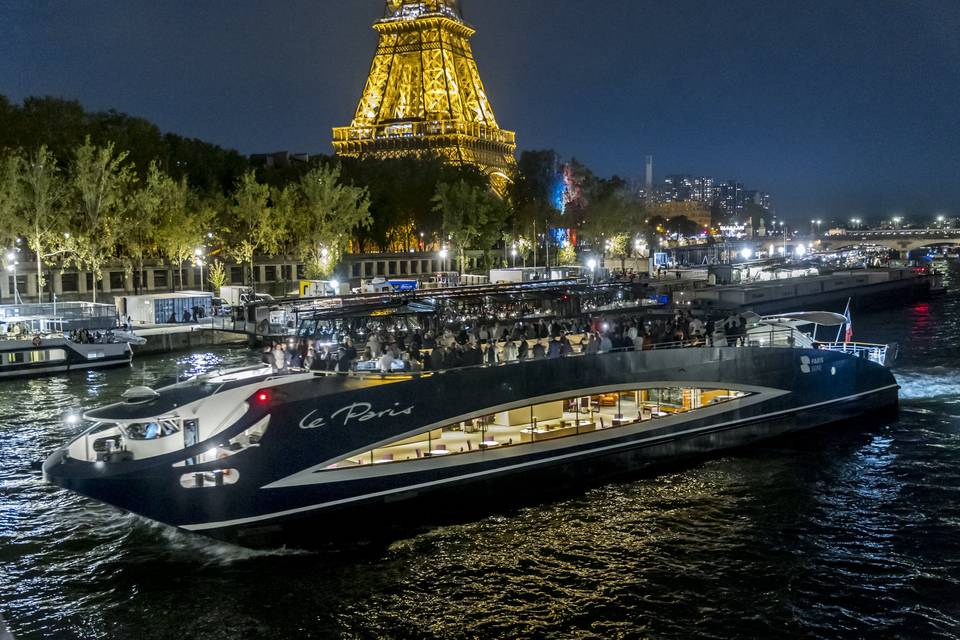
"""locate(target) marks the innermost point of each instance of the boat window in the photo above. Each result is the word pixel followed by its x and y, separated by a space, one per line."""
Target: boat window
pixel 216 478
pixel 240 442
pixel 16 357
pixel 151 429
pixel 565 418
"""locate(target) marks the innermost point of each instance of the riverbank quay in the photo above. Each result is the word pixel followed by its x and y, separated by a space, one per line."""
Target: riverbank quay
pixel 170 338
pixel 866 288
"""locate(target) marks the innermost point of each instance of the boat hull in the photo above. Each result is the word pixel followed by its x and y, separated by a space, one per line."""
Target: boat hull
pixel 23 359
pixel 285 483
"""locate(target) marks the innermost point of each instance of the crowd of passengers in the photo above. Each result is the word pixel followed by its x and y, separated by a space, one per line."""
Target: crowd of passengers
pixel 494 343
pixel 83 336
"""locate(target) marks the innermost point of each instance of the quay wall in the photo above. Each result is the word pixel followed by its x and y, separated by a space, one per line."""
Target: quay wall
pixel 165 340
pixel 865 290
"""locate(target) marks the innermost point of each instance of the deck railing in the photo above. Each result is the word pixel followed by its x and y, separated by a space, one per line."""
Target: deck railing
pixel 776 337
pixel 872 352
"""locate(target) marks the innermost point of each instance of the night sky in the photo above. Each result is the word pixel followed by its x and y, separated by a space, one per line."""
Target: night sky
pixel 840 108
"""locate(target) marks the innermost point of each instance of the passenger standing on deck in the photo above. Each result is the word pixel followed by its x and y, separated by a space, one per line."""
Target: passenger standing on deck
pixel 606 345
pixel 539 351
pixel 553 349
pixel 386 360
pixel 491 356
pixel 510 351
pixel 279 358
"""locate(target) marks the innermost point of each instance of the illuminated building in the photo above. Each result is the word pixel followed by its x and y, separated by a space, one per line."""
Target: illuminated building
pixel 424 95
pixel 684 188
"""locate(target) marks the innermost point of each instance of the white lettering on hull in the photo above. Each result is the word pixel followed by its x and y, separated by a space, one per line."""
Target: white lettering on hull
pixel 356 412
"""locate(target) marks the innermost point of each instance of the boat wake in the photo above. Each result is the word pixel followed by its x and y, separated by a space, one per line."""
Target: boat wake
pixel 933 383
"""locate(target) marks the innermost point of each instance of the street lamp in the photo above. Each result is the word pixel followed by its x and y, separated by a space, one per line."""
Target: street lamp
pixel 592 265
pixel 12 268
pixel 198 252
pixel 443 257
pixel 513 252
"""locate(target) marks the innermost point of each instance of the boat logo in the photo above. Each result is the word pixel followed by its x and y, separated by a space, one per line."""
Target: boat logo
pixel 356 412
pixel 810 365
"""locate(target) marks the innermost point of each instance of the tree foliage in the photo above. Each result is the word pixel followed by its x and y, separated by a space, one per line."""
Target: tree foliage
pixel 181 223
pixel 325 214
pixel 256 225
pixel 471 216
pixel 100 182
pixel 43 190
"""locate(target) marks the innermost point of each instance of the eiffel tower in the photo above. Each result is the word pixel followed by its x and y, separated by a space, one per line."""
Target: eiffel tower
pixel 424 95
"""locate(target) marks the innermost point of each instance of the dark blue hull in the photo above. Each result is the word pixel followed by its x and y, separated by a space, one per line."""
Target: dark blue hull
pixel 284 481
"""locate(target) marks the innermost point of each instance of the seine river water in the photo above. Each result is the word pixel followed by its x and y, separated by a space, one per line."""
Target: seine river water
pixel 851 533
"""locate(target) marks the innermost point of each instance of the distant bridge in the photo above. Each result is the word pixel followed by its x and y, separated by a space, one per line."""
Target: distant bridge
pixel 897 239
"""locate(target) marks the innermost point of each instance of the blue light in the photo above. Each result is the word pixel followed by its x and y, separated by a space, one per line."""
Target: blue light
pixel 559 194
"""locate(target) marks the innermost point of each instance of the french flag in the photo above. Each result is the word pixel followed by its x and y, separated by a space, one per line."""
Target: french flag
pixel 848 336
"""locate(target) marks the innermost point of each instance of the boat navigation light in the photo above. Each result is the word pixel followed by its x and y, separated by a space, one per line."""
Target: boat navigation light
pixel 262 397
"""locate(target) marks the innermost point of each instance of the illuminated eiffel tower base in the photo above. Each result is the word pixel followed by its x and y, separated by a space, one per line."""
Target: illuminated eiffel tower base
pixel 424 95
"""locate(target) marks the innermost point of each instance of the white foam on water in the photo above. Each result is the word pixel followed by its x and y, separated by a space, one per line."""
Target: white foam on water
pixel 933 383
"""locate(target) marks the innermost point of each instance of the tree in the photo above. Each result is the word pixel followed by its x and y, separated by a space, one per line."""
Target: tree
pixel 182 223
pixel 218 275
pixel 619 249
pixel 141 220
pixel 100 180
pixel 568 255
pixel 326 214
pixel 256 227
pixel 683 226
pixel 472 217
pixel 43 191
pixel 10 166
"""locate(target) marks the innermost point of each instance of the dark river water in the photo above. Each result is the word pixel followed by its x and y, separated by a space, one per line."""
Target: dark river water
pixel 849 533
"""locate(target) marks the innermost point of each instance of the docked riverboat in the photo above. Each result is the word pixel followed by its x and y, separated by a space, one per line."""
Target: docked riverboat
pixel 39 347
pixel 249 455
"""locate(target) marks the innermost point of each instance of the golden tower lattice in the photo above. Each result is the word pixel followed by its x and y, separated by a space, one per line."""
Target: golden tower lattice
pixel 424 94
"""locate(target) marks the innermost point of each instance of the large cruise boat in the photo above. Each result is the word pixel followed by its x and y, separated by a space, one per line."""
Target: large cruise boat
pixel 249 455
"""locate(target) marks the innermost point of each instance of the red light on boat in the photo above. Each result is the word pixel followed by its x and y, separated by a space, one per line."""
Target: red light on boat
pixel 262 397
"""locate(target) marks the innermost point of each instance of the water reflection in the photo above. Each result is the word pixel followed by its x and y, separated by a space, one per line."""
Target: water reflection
pixel 845 533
